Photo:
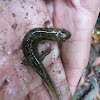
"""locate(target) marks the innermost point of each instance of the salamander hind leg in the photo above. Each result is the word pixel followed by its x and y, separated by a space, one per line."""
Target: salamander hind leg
pixel 25 62
pixel 42 56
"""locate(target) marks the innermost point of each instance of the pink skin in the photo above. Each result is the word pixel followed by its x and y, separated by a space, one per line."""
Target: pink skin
pixel 97 61
pixel 80 17
pixel 18 17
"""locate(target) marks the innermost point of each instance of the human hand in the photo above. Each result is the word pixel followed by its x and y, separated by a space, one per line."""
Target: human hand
pixel 18 17
pixel 79 17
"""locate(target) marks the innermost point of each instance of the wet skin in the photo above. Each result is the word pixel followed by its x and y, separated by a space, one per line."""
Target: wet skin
pixel 30 50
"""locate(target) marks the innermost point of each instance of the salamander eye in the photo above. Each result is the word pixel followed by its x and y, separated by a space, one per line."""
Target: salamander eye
pixel 63 31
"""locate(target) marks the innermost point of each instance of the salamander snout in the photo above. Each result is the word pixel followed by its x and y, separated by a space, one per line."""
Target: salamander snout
pixel 64 35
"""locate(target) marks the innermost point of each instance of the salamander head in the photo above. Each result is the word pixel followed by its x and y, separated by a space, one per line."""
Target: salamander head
pixel 63 35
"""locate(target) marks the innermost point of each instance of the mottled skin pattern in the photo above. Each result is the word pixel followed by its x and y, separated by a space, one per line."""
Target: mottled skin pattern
pixel 30 50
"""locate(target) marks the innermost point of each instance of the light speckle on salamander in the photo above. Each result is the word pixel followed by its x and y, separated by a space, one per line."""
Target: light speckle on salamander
pixel 30 50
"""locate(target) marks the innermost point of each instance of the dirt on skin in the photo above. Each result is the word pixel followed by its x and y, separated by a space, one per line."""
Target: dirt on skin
pixel 19 82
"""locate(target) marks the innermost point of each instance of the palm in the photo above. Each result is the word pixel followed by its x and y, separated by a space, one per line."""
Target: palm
pixel 16 18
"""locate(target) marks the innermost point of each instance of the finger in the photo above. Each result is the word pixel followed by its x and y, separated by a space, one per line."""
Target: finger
pixel 59 16
pixel 97 61
pixel 55 69
pixel 58 76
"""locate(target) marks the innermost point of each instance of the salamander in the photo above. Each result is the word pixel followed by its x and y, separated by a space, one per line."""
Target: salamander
pixel 30 50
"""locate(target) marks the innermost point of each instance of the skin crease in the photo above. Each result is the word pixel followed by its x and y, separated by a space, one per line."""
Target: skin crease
pixel 77 16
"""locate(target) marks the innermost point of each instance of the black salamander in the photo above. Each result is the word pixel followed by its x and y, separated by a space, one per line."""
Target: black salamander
pixel 30 51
